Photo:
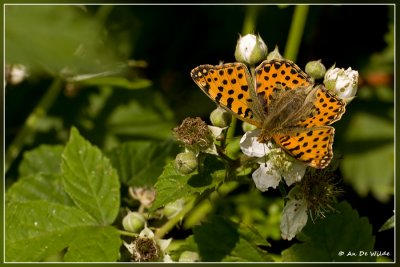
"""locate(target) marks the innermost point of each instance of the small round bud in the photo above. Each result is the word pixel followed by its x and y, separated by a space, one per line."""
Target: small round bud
pixel 220 117
pixel 315 69
pixel 133 222
pixel 342 82
pixel 173 208
pixel 248 127
pixel 250 49
pixel 274 54
pixel 233 148
pixel 186 162
pixel 16 73
pixel 189 256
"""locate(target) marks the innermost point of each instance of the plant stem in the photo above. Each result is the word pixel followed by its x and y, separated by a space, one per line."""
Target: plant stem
pixel 296 32
pixel 29 128
pixel 122 232
pixel 250 19
pixel 174 220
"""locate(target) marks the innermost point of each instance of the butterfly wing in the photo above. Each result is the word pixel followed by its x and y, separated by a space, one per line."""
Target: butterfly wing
pixel 278 74
pixel 327 109
pixel 314 147
pixel 229 85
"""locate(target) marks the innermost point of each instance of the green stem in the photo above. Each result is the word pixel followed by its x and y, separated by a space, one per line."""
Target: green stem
pixel 174 220
pixel 296 32
pixel 121 232
pixel 250 18
pixel 29 128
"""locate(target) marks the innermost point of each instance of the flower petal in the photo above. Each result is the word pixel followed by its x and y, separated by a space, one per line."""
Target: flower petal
pixel 294 218
pixel 294 173
pixel 265 177
pixel 250 146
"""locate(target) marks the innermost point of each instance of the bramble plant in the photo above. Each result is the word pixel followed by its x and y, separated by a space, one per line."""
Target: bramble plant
pixel 198 191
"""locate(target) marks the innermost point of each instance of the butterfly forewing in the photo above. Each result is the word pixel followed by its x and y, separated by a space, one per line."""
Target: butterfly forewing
pixel 229 86
pixel 272 75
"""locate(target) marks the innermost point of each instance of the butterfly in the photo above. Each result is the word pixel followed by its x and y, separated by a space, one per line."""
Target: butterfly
pixel 282 101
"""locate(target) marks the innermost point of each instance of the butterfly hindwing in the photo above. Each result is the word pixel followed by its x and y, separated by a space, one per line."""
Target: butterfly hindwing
pixel 310 145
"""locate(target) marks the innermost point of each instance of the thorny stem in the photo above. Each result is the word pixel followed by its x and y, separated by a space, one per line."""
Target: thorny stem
pixel 30 126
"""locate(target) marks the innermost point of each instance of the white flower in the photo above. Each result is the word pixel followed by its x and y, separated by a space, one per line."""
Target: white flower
pixel 294 218
pixel 250 49
pixel 343 82
pixel 274 162
pixel 146 247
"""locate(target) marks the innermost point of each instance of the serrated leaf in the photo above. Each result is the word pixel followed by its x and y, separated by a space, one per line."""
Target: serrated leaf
pixel 90 180
pixel 223 240
pixel 45 159
pixel 94 244
pixel 140 163
pixel 40 186
pixel 326 239
pixel 172 185
pixel 38 229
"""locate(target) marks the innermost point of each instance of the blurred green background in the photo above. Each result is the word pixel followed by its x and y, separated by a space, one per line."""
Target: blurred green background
pixel 122 73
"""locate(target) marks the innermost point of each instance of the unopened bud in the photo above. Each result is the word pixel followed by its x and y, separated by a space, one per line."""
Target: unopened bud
pixel 250 49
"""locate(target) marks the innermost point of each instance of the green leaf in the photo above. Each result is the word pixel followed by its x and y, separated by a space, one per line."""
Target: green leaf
pixel 61 39
pixel 326 239
pixel 40 186
pixel 139 163
pixel 38 229
pixel 223 240
pixel 142 119
pixel 369 161
pixel 389 224
pixel 172 185
pixel 45 159
pixel 94 244
pixel 90 180
pixel 118 82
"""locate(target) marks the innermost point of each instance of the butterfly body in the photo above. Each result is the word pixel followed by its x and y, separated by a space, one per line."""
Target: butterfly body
pixel 281 101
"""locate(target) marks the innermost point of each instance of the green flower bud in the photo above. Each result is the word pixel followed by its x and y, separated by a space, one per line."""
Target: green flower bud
pixel 133 222
pixel 173 208
pixel 233 148
pixel 315 69
pixel 248 127
pixel 189 256
pixel 250 49
pixel 186 162
pixel 220 117
pixel 274 54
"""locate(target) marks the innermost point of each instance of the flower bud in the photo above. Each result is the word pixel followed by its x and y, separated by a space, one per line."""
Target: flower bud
pixel 133 222
pixel 274 54
pixel 220 117
pixel 189 256
pixel 16 73
pixel 315 69
pixel 248 127
pixel 186 162
pixel 172 209
pixel 343 82
pixel 250 49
